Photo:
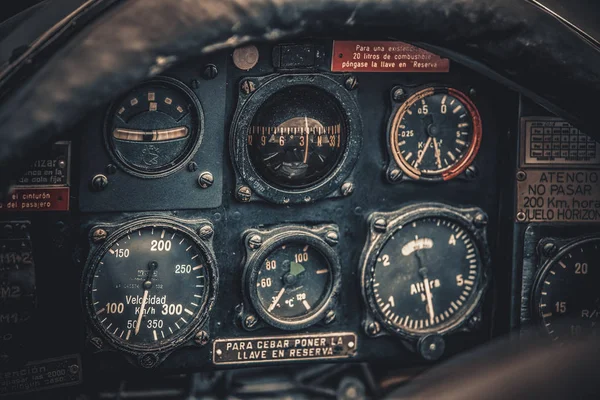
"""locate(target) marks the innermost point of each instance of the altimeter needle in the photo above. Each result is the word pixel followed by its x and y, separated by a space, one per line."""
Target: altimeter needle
pixel 429 300
pixel 276 299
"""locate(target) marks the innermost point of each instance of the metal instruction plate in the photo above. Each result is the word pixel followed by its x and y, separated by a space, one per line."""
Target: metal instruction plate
pixel 548 141
pixel 41 375
pixel 367 56
pixel 558 196
pixel 284 348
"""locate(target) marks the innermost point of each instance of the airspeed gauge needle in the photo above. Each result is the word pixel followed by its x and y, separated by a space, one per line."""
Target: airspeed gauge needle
pixel 142 308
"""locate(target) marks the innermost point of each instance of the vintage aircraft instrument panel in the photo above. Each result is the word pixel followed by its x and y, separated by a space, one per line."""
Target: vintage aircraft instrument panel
pixel 332 201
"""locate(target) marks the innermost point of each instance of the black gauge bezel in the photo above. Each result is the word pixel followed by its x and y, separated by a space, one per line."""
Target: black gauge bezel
pixel 545 270
pixel 395 220
pixel 396 173
pixel 250 104
pixel 117 232
pixel 177 164
pixel 274 238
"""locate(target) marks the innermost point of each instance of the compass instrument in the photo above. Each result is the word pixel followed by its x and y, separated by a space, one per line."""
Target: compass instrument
pixel 155 128
pixel 566 295
pixel 435 134
pixel 148 287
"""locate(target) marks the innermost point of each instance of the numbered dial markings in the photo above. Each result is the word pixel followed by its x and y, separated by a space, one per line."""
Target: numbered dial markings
pixel 425 276
pixel 293 281
pixel 435 134
pixel 297 137
pixel 568 299
pixel 149 287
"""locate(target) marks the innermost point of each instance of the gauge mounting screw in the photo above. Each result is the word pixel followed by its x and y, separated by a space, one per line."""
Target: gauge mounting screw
pixel 148 360
pixel 431 347
pixel 521 175
pixel 201 338
pixel 471 172
pixel 332 238
pixel 548 249
pixel 243 194
pixel 480 220
pixel 192 166
pixel 205 231
pixel 351 83
pixel 254 242
pixel 99 235
pixel 347 189
pixel 206 180
pixel 380 225
pixel 111 169
pixel 329 317
pixel 210 72
pixel 394 174
pixel 373 328
pixel 398 94
pixel 247 86
pixel 99 182
pixel 250 321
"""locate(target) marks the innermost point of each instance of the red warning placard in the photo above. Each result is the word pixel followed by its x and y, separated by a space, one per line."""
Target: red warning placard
pixel 367 56
pixel 37 199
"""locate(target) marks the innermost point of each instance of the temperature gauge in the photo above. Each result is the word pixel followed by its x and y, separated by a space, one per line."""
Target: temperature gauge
pixel 292 279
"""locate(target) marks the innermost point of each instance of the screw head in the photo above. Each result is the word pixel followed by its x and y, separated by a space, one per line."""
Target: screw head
pixel 195 84
pixel 472 92
pixel 210 71
pixel 395 174
pixel 255 241
pixel 201 338
pixel 247 86
pixel 329 317
pixel 206 180
pixel 480 220
pixel 219 352
pixel 332 238
pixel 111 169
pixel 347 189
pixel 373 328
pixel 148 360
pixel 471 172
pixel 521 217
pixel 398 94
pixel 250 321
pixel 521 175
pixel 431 347
pixel 549 249
pixel 205 231
pixel 351 83
pixel 243 194
pixel 99 182
pixel 99 235
pixel 192 166
pixel 380 225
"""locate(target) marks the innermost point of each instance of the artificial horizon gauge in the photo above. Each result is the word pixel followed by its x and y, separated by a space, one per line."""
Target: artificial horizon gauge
pixel 155 128
pixel 425 274
pixel 292 279
pixel 566 298
pixel 435 134
pixel 150 286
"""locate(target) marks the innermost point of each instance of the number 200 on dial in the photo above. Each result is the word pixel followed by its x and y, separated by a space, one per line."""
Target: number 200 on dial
pixel 148 287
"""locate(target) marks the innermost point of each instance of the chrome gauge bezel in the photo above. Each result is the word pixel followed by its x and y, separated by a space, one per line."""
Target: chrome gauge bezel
pixel 379 235
pixel 271 240
pixel 189 153
pixel 102 341
pixel 251 99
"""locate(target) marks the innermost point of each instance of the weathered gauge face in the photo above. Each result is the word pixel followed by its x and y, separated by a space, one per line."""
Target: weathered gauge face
pixel 297 137
pixel 154 128
pixel 293 281
pixel 149 287
pixel 426 276
pixel 435 134
pixel 567 299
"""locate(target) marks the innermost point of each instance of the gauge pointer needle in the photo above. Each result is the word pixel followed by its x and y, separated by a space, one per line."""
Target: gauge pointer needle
pixel 423 152
pixel 276 299
pixel 306 149
pixel 437 153
pixel 423 273
pixel 141 314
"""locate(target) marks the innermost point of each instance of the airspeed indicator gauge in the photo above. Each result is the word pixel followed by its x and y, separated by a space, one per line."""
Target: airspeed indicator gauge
pixel 426 273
